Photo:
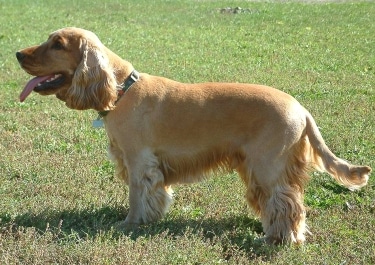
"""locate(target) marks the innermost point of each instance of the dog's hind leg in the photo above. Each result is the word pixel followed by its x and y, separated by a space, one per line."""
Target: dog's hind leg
pixel 275 192
pixel 149 198
pixel 281 211
pixel 255 195
pixel 283 216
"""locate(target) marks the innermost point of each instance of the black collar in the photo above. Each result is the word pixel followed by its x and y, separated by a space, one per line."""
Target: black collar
pixel 129 81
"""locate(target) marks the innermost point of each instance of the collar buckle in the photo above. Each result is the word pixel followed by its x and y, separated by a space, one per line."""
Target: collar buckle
pixel 132 78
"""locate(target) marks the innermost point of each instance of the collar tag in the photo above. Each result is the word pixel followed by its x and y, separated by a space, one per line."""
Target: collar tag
pixel 98 123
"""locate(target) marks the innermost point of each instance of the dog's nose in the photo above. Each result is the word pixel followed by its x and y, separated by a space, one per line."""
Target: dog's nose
pixel 20 56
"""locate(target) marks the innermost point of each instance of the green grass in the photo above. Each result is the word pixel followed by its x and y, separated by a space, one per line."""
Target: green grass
pixel 58 194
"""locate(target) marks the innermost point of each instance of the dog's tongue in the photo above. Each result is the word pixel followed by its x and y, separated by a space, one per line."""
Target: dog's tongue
pixel 31 85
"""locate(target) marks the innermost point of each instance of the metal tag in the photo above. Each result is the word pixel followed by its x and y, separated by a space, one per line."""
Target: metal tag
pixel 98 123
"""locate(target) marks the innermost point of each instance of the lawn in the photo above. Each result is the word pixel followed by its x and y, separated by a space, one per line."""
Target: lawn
pixel 59 197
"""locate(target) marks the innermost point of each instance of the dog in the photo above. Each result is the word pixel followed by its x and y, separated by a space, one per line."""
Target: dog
pixel 162 132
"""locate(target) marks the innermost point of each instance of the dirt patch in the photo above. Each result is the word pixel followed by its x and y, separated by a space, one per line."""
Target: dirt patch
pixel 238 10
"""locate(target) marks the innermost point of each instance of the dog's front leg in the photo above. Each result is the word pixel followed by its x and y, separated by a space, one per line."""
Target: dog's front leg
pixel 115 154
pixel 149 198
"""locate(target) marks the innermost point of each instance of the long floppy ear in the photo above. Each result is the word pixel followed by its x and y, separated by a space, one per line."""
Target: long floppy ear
pixel 94 83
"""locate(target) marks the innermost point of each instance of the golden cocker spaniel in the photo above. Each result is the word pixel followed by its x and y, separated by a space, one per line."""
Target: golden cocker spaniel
pixel 163 132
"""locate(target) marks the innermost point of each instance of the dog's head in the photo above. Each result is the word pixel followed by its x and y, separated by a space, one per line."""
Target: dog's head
pixel 73 65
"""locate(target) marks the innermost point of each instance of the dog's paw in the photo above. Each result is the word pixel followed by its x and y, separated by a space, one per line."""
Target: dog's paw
pixel 124 226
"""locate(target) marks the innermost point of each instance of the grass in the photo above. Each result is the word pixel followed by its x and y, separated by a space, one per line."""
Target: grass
pixel 58 195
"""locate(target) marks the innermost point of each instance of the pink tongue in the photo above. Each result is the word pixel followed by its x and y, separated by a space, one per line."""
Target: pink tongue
pixel 32 84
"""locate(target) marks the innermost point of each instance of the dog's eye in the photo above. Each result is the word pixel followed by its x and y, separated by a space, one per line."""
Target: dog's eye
pixel 57 46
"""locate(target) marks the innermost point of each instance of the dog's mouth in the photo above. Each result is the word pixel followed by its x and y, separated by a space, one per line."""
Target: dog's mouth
pixel 42 84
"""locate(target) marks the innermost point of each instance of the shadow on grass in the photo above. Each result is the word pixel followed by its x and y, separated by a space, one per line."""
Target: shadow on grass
pixel 335 188
pixel 238 232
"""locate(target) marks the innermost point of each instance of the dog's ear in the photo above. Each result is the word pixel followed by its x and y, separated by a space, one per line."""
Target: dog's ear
pixel 94 84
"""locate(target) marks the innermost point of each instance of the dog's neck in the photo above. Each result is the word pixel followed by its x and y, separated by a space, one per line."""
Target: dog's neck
pixel 122 68
pixel 125 75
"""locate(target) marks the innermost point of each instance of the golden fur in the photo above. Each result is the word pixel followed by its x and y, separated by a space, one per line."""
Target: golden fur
pixel 163 132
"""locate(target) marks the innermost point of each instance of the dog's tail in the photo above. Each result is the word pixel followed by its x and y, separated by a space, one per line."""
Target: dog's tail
pixel 351 176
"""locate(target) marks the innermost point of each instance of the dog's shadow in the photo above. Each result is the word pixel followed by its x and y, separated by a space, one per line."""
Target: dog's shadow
pixel 239 231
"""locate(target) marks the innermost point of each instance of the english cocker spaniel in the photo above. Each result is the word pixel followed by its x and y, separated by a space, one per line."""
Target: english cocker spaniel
pixel 163 132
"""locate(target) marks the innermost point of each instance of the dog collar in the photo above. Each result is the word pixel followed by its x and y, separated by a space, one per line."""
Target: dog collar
pixel 132 78
pixel 129 81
